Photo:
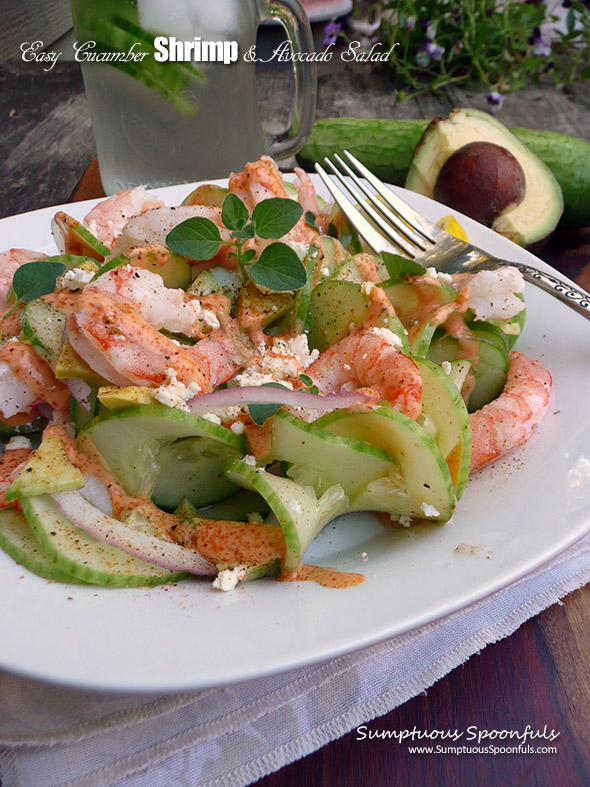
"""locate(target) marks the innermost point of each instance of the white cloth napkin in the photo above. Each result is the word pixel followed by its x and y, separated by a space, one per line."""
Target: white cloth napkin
pixel 233 736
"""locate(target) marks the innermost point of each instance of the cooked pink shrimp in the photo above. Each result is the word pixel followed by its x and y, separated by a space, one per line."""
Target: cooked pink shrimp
pixel 152 226
pixel 107 219
pixel 160 306
pixel 261 180
pixel 306 194
pixel 124 349
pixel 26 379
pixel 509 420
pixel 365 359
pixel 10 261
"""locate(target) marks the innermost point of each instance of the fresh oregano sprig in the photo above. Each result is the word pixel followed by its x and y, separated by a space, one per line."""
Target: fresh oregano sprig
pixel 278 267
pixel 37 278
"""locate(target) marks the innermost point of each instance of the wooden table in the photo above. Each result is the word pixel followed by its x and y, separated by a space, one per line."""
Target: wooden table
pixel 538 676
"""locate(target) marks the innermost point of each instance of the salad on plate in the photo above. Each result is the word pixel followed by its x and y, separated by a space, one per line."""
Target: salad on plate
pixel 200 389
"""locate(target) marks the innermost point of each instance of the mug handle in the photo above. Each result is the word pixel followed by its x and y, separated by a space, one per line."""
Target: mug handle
pixel 292 16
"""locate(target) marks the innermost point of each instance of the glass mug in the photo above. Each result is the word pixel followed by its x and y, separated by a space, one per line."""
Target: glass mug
pixel 157 123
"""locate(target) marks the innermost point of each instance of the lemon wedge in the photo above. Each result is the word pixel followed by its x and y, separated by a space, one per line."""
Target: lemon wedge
pixel 451 225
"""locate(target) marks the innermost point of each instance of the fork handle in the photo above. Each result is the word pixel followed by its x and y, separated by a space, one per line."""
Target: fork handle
pixel 574 298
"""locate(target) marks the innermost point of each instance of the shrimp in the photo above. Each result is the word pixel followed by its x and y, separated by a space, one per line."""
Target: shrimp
pixel 122 347
pixel 152 226
pixel 509 420
pixel 364 359
pixel 306 194
pixel 107 219
pixel 10 261
pixel 261 180
pixel 160 306
pixel 26 378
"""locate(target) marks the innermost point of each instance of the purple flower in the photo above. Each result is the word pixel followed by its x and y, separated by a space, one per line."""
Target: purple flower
pixel 433 50
pixel 331 30
pixel 495 100
pixel 541 46
pixel 411 22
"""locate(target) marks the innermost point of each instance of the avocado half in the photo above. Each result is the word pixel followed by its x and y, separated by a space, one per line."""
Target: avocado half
pixel 529 222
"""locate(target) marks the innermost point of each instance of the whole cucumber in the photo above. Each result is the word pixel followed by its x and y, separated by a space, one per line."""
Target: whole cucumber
pixel 386 146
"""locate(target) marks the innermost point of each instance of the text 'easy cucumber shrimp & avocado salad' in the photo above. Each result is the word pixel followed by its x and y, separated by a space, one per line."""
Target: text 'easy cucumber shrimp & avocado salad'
pixel 207 385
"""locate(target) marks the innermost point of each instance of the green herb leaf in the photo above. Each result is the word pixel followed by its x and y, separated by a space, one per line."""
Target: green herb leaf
pixel 400 266
pixel 245 233
pixel 249 255
pixel 310 220
pixel 275 217
pixel 278 268
pixel 234 214
pixel 332 230
pixel 197 238
pixel 116 262
pixel 308 384
pixel 34 279
pixel 260 413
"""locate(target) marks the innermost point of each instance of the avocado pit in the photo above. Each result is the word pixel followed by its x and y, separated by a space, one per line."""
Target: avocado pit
pixel 481 180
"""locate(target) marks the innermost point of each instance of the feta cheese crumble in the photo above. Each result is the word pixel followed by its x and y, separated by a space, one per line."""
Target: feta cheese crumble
pixel 175 394
pixel 366 287
pixel 325 272
pixel 405 520
pixel 364 557
pixel 249 460
pixel 74 279
pixel 443 278
pixel 492 294
pixel 213 417
pixel 446 367
pixel 388 336
pixel 18 442
pixel 229 578
pixel 237 427
pixel 429 510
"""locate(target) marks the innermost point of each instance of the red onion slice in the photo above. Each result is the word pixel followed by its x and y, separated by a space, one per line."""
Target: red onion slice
pixel 146 547
pixel 80 390
pixel 261 394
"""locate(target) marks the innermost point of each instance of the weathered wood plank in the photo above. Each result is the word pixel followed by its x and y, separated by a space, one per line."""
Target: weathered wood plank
pixel 32 20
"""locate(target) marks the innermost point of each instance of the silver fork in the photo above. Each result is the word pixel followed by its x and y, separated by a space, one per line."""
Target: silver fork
pixel 404 231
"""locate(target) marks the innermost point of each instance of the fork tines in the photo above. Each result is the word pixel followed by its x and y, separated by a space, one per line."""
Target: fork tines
pixel 377 212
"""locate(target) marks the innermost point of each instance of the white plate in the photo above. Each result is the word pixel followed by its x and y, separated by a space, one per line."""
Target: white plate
pixel 512 518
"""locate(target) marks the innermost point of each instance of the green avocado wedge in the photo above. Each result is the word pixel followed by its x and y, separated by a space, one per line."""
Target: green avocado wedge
pixel 426 491
pixel 18 540
pixel 84 557
pixel 297 509
pixel 168 453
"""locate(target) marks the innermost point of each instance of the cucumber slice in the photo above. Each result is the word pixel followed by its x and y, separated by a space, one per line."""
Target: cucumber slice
pixel 78 416
pixel 217 279
pixel 426 480
pixel 84 557
pixel 43 325
pixel 71 237
pixel 411 301
pixel 137 444
pixel 175 272
pixel 333 255
pixel 207 194
pixel 338 307
pixel 489 368
pixel 18 540
pixel 443 405
pixel 298 511
pixel 21 423
pixel 322 459
pixel 237 507
pixel 199 463
pixel 349 271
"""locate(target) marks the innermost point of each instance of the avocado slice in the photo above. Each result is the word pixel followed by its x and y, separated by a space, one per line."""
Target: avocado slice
pixel 540 209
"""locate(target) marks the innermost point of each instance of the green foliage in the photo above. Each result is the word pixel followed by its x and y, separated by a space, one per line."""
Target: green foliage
pixel 278 267
pixel 260 413
pixel 497 45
